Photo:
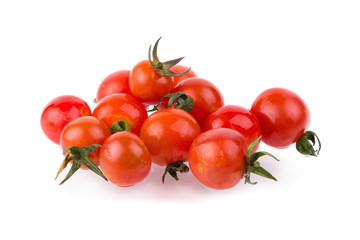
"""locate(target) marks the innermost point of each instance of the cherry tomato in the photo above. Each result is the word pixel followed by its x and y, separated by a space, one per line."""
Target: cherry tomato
pixel 147 85
pixel 120 106
pixel 168 134
pixel 205 95
pixel 283 116
pixel 237 118
pixel 180 68
pixel 82 132
pixel 59 112
pixel 125 159
pixel 217 158
pixel 117 82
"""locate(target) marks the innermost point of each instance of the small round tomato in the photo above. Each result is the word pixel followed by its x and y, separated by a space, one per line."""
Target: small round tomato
pixel 120 106
pixel 180 68
pixel 217 158
pixel 82 132
pixel 59 112
pixel 283 116
pixel 205 95
pixel 124 159
pixel 117 82
pixel 168 134
pixel 237 118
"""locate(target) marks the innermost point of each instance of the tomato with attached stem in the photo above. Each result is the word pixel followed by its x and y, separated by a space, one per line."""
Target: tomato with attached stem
pixel 121 106
pixel 179 68
pixel 151 79
pixel 117 82
pixel 59 112
pixel 206 97
pixel 168 134
pixel 238 118
pixel 124 158
pixel 81 140
pixel 284 118
pixel 220 158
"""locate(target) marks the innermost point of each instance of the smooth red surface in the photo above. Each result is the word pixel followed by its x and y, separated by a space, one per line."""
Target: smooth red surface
pixel 237 118
pixel 205 95
pixel 283 116
pixel 217 158
pixel 168 134
pixel 117 82
pixel 85 131
pixel 147 85
pixel 124 159
pixel 120 106
pixel 180 68
pixel 59 112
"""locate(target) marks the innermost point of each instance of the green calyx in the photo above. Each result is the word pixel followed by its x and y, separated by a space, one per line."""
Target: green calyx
pixel 305 144
pixel 163 68
pixel 79 156
pixel 182 101
pixel 253 165
pixel 174 168
pixel 120 126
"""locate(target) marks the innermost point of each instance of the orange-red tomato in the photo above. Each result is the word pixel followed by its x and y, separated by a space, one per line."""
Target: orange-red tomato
pixel 117 82
pixel 85 131
pixel 168 134
pixel 283 116
pixel 147 85
pixel 120 106
pixel 238 118
pixel 180 68
pixel 217 158
pixel 124 159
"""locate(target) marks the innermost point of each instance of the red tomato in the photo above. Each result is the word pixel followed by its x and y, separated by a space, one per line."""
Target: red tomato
pixel 147 85
pixel 168 134
pixel 237 118
pixel 180 68
pixel 283 116
pixel 125 159
pixel 120 106
pixel 85 131
pixel 217 158
pixel 59 112
pixel 117 82
pixel 205 95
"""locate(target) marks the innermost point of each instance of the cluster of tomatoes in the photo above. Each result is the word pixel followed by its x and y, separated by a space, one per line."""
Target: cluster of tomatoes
pixel 163 113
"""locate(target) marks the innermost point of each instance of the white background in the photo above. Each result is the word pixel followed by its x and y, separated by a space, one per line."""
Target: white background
pixel 52 48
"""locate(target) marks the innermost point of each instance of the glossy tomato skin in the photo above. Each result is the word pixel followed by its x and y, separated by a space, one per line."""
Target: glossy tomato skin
pixel 180 68
pixel 168 134
pixel 205 95
pixel 283 116
pixel 117 82
pixel 147 85
pixel 120 106
pixel 59 112
pixel 124 159
pixel 85 131
pixel 217 158
pixel 238 118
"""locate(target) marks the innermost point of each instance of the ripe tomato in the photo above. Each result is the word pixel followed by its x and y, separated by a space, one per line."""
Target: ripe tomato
pixel 117 82
pixel 180 68
pixel 168 134
pixel 125 159
pixel 237 118
pixel 83 132
pixel 283 116
pixel 120 106
pixel 217 158
pixel 59 112
pixel 205 95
